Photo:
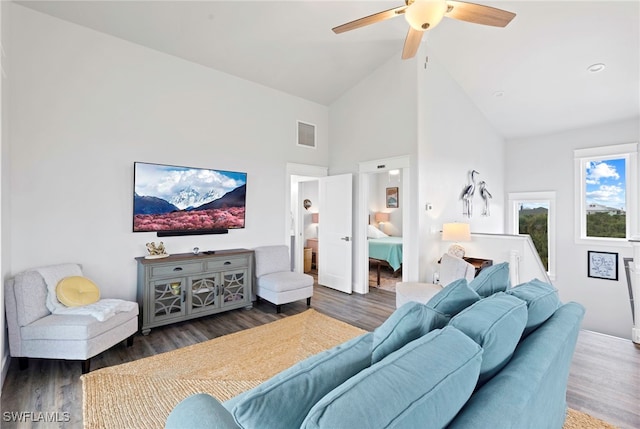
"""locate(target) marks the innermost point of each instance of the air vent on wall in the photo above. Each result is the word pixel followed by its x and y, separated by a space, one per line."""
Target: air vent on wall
pixel 306 134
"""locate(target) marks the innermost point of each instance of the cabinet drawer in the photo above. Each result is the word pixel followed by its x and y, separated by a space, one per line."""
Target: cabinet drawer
pixel 172 270
pixel 230 262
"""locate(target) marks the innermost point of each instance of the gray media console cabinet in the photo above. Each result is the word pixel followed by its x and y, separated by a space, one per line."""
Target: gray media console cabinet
pixel 185 286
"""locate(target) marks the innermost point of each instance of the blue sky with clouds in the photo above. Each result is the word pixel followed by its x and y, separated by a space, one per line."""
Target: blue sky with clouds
pixel 606 183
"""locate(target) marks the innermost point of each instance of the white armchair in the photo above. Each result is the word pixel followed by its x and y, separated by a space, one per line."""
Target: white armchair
pixel 451 268
pixel 275 282
pixel 34 332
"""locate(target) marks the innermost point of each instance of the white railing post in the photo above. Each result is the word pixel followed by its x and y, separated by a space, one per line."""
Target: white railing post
pixel 514 264
pixel 634 270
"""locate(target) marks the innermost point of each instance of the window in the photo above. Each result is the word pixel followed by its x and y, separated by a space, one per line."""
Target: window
pixel 533 213
pixel 606 192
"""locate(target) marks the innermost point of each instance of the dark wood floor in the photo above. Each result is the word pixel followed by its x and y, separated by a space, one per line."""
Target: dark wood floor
pixel 604 378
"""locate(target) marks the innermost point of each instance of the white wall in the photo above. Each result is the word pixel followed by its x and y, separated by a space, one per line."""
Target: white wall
pixel 455 138
pixel 545 163
pixel 420 115
pixel 85 106
pixel 376 119
pixel 518 250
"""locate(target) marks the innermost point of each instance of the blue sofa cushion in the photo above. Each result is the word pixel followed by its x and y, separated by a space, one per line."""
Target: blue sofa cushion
pixel 542 301
pixel 422 385
pixel 496 324
pixel 491 280
pixel 453 298
pixel 284 400
pixel 200 411
pixel 530 392
pixel 410 321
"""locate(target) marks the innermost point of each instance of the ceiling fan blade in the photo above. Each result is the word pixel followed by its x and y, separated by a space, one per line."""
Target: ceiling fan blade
pixel 411 43
pixel 478 14
pixel 371 19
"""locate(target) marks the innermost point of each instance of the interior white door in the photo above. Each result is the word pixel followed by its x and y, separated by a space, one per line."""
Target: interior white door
pixel 334 232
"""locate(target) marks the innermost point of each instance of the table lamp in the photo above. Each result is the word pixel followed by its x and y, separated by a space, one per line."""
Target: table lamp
pixel 456 232
pixel 381 218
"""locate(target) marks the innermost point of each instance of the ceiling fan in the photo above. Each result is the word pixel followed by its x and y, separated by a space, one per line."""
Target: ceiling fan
pixel 426 14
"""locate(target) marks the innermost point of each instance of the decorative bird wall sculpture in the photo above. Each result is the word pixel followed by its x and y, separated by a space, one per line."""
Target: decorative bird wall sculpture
pixel 467 194
pixel 485 195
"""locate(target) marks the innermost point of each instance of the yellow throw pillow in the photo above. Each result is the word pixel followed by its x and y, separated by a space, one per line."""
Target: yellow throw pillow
pixel 75 291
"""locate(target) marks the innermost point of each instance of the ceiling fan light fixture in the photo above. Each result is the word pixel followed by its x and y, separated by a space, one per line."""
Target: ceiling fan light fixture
pixel 425 14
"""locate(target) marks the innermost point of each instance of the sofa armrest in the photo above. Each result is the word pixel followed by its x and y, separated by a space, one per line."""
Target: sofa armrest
pixel 11 313
pixel 201 411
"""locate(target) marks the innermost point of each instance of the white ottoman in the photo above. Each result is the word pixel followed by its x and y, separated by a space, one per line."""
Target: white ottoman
pixel 415 291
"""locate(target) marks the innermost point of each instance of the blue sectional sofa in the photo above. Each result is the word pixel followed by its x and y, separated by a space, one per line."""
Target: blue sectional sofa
pixel 477 355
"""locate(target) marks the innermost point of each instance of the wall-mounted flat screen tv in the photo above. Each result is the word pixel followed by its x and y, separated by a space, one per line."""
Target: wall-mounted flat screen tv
pixel 185 200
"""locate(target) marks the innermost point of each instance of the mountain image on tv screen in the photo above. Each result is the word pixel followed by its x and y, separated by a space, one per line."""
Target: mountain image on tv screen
pixel 172 198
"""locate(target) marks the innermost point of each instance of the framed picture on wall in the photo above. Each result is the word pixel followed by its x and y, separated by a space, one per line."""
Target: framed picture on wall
pixel 602 265
pixel 392 198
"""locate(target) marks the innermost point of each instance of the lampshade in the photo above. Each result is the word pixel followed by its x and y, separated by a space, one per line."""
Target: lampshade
pixel 382 217
pixel 314 217
pixel 456 232
pixel 425 14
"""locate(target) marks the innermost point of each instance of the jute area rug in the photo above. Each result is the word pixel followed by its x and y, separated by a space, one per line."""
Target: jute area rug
pixel 141 394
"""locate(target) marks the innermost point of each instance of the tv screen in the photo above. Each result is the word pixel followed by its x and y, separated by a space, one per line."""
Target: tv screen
pixel 185 199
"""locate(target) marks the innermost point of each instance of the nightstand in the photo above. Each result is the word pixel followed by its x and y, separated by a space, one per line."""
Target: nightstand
pixel 479 263
pixel 313 244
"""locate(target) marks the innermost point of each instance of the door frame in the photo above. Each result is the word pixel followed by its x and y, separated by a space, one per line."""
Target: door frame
pixel 296 173
pixel 410 251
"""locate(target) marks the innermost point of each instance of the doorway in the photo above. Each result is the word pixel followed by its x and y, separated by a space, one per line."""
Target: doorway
pixel 410 212
pixel 301 177
pixel 333 255
pixel 406 217
pixel 385 229
pixel 309 220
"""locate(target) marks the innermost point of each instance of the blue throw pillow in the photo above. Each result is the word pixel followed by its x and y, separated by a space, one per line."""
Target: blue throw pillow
pixel 422 385
pixel 407 323
pixel 284 400
pixel 542 301
pixel 453 298
pixel 491 280
pixel 496 324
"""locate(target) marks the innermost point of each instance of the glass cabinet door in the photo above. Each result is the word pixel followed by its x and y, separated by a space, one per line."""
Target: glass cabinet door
pixel 234 284
pixel 168 298
pixel 205 292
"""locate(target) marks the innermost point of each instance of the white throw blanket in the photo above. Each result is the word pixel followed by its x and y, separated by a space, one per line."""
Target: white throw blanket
pixel 101 310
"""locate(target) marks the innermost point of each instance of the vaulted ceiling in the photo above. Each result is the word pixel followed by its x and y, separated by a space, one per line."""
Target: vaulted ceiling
pixel 528 78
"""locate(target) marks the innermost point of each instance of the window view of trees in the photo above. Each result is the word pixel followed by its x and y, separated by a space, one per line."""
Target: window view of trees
pixel 606 225
pixel 533 219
